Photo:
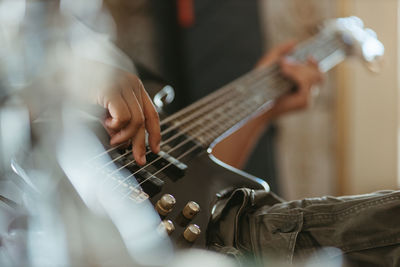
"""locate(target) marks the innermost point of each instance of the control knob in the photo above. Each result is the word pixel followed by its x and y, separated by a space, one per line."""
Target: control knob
pixel 191 233
pixel 165 205
pixel 190 210
pixel 168 226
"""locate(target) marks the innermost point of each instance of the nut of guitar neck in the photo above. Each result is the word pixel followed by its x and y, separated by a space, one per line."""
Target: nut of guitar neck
pixel 165 205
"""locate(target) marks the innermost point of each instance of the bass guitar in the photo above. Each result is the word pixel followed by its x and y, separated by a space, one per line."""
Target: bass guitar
pixel 184 179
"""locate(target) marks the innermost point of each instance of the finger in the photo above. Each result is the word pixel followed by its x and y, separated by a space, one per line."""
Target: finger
pixel 152 122
pixel 284 48
pixel 137 119
pixel 109 131
pixel 135 129
pixel 291 102
pixel 301 73
pixel 137 87
pixel 139 146
pixel 118 111
pixel 276 53
pixel 293 70
pixel 314 63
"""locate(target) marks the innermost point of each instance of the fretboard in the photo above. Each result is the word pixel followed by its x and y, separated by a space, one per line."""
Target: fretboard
pixel 227 108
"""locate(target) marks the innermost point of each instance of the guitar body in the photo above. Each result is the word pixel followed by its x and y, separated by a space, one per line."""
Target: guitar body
pixel 204 178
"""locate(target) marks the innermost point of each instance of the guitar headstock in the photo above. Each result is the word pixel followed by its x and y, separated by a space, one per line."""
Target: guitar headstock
pixel 361 41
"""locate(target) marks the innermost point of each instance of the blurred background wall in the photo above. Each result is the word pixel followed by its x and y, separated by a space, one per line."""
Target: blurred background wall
pixel 347 143
pixel 306 139
pixel 368 106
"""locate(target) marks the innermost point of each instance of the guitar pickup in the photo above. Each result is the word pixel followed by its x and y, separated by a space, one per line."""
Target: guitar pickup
pixel 149 183
pixel 176 169
pixel 143 177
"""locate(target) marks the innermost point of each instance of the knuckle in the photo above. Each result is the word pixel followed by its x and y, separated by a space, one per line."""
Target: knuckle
pixel 135 81
pixel 139 120
pixel 122 119
pixel 126 117
pixel 157 137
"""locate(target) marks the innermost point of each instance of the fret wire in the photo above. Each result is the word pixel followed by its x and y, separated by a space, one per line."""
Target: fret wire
pixel 214 95
pixel 229 86
pixel 210 106
pixel 285 84
pixel 245 103
pixel 233 105
pixel 200 112
pixel 249 104
pixel 288 82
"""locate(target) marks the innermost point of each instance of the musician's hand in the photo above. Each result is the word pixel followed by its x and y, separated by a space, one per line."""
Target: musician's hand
pixel 130 114
pixel 305 75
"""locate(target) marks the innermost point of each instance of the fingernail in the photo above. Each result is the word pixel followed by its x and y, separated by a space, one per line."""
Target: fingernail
pixel 143 159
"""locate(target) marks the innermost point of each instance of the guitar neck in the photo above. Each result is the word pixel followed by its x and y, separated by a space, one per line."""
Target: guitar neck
pixel 228 108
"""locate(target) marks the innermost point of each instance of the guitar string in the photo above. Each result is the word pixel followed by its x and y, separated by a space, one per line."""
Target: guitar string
pixel 195 146
pixel 174 126
pixel 212 138
pixel 228 87
pixel 211 97
pixel 195 115
pixel 188 121
pixel 210 106
pixel 190 118
pixel 243 106
pixel 191 138
pixel 166 166
pixel 301 46
pixel 271 70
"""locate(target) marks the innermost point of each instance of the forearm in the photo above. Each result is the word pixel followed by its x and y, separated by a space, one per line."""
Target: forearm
pixel 237 147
